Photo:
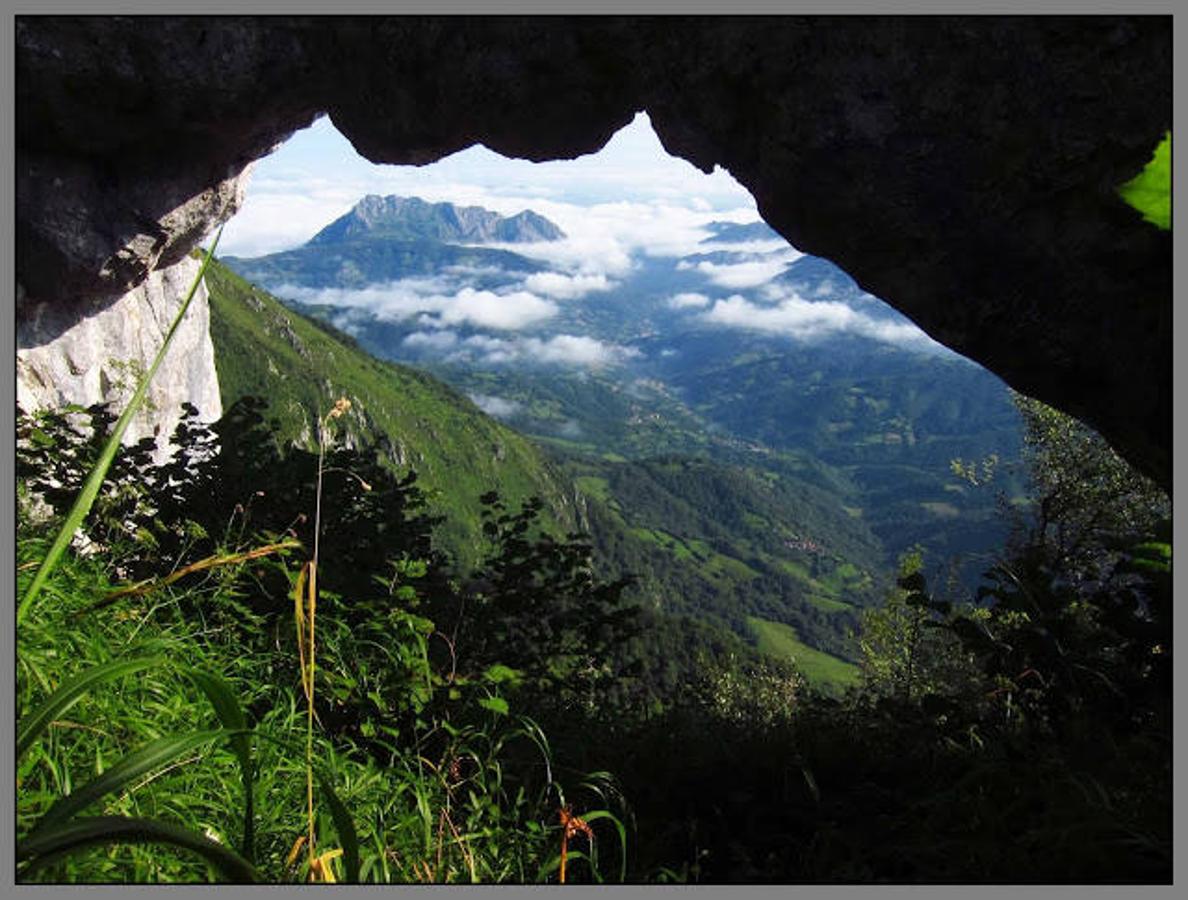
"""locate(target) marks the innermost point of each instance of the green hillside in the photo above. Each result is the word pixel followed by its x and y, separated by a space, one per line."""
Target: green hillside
pixel 263 349
pixel 822 670
pixel 721 543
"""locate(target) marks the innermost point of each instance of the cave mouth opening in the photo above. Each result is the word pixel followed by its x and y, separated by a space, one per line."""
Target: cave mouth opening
pixel 623 213
pixel 663 313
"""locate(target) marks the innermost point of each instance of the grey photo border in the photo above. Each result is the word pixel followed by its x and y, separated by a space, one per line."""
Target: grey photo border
pixel 12 8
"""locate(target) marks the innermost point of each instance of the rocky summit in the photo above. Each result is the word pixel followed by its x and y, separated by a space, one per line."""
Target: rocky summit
pixel 405 218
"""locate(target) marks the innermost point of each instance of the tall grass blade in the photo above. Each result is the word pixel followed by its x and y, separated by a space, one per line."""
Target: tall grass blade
pixel 299 619
pixel 231 715
pixel 344 825
pixel 73 691
pixel 86 497
pixel 603 814
pixel 148 758
pixel 81 833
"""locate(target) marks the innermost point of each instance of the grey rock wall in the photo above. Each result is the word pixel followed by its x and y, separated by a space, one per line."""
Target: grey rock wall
pixel 98 358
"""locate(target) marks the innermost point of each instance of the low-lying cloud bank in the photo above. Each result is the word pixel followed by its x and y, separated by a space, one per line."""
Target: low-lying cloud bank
pixel 567 287
pixel 571 350
pixel 746 273
pixel 497 407
pixel 423 299
pixel 808 320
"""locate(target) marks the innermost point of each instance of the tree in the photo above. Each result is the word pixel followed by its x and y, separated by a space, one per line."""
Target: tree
pixel 1088 503
pixel 1075 619
pixel 536 605
pixel 907 652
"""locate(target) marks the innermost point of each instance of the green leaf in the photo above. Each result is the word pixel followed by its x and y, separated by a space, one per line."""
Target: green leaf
pixel 1153 550
pixel 496 704
pixel 74 690
pixel 227 708
pixel 344 825
pixel 499 673
pixel 1150 191
pixel 82 833
pixel 554 865
pixel 150 757
pixel 604 814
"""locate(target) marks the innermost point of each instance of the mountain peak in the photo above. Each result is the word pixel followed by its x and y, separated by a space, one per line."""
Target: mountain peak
pixel 411 218
pixel 734 232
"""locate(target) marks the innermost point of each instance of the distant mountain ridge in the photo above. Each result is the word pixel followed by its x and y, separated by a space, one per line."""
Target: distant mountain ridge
pixel 734 232
pixel 388 238
pixel 411 218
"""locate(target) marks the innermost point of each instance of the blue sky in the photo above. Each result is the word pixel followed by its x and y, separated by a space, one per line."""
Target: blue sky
pixel 631 189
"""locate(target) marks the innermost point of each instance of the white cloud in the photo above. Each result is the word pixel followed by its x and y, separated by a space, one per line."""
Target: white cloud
pixel 392 301
pixel 499 407
pixel 757 248
pixel 567 287
pixel 808 320
pixel 748 274
pixel 419 298
pixel 579 350
pixel 439 341
pixel 585 250
pixel 570 428
pixel 464 271
pixel 506 312
pixel 688 301
pixel 562 349
pixel 491 350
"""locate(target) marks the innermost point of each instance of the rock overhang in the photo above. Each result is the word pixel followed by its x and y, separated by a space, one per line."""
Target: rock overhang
pixel 962 169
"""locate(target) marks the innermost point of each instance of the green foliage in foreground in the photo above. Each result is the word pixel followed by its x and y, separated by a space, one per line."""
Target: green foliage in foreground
pixel 1022 735
pixel 161 727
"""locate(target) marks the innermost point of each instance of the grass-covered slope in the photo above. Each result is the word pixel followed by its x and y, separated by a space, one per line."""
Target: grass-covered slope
pixel 819 669
pixel 722 543
pixel 264 349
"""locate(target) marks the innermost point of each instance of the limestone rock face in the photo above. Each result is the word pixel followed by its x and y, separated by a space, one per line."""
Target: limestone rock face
pixel 100 357
pixel 963 169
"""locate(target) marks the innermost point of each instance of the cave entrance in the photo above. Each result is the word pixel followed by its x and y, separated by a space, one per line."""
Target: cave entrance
pixel 734 405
